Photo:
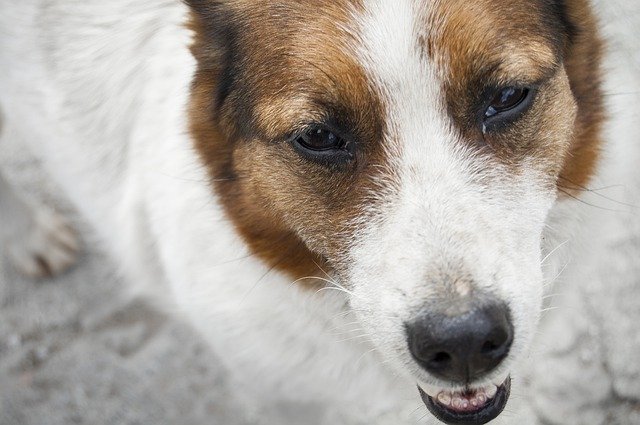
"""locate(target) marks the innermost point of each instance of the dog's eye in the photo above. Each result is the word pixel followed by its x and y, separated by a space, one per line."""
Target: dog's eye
pixel 323 145
pixel 506 100
pixel 319 139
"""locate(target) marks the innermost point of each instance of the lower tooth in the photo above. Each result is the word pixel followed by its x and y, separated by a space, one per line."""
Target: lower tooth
pixel 457 402
pixel 444 398
pixel 491 392
pixel 482 398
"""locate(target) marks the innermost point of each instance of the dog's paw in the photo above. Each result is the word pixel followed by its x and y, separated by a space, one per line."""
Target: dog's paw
pixel 46 247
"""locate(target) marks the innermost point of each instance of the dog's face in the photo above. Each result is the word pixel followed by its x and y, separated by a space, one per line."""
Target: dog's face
pixel 414 147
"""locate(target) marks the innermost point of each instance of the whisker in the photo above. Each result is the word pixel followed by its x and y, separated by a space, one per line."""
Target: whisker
pixel 554 250
pixel 631 93
pixel 591 189
pixel 586 189
pixel 321 269
pixel 356 364
pixel 342 326
pixel 355 338
pixel 341 314
pixel 553 295
pixel 334 288
pixel 272 268
pixel 544 310
pixel 555 278
pixel 322 279
pixel 589 204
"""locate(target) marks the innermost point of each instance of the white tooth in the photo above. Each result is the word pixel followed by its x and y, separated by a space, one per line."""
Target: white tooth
pixel 474 402
pixel 491 391
pixel 465 404
pixel 482 398
pixel 444 398
pixel 457 402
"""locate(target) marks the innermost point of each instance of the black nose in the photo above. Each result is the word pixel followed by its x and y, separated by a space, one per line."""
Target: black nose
pixel 463 346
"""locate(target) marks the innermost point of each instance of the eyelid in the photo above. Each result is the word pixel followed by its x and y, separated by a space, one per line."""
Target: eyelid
pixel 328 125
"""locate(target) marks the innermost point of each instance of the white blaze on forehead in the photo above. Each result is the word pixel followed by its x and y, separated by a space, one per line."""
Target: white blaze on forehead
pixel 420 140
pixel 391 53
pixel 389 31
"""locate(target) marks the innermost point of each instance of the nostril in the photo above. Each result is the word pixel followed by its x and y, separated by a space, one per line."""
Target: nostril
pixel 498 345
pixel 489 347
pixel 440 360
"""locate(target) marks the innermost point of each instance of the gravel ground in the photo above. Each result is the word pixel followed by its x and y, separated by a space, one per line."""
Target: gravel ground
pixel 72 351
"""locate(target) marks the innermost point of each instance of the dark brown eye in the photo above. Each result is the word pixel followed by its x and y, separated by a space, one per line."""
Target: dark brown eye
pixel 506 100
pixel 323 145
pixel 320 139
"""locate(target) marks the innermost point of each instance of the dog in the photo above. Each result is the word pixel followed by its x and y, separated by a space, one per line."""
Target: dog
pixel 358 203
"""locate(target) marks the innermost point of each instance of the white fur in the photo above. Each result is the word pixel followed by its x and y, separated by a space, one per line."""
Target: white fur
pixel 99 89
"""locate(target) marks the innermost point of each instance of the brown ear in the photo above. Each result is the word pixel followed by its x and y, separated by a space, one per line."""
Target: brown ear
pixel 214 47
pixel 582 62
pixel 203 6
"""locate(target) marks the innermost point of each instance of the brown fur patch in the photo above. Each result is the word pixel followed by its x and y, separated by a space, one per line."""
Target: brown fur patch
pixel 583 65
pixel 266 70
pixel 492 42
pixel 551 45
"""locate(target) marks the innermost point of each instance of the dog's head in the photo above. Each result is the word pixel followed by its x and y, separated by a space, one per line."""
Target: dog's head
pixel 415 148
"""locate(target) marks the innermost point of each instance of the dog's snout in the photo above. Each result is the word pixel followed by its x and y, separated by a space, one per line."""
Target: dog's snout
pixel 464 346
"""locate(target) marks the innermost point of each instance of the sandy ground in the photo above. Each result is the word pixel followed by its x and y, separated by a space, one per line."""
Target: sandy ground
pixel 72 351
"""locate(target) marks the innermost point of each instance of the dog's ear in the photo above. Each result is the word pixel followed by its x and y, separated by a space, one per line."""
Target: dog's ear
pixel 215 46
pixel 583 49
pixel 204 6
pixel 570 14
pixel 212 17
pixel 213 25
pixel 559 15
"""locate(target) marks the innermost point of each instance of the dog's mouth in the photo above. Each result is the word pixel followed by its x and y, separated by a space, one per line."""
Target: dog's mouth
pixel 468 407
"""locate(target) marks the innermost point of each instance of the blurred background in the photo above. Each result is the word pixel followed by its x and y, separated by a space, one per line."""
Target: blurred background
pixel 74 351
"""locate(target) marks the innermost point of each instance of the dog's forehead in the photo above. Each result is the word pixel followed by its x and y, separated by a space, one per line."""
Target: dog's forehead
pixel 460 41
